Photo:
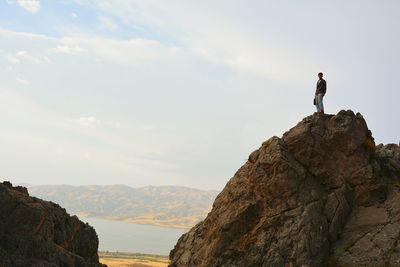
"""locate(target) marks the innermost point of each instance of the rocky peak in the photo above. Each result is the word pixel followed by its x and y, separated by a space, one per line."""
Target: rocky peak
pixel 39 233
pixel 322 195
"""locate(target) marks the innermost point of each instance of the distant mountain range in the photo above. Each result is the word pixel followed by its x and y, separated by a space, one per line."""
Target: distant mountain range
pixel 167 206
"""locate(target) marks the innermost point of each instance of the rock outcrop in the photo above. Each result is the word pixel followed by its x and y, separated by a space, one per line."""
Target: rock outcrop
pixel 38 233
pixel 322 195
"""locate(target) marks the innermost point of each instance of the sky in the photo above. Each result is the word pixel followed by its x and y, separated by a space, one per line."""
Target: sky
pixel 181 92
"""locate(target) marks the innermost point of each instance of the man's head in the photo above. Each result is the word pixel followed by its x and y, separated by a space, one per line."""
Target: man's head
pixel 320 75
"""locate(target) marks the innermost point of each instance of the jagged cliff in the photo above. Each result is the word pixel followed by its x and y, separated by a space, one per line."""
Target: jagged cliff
pixel 322 195
pixel 39 233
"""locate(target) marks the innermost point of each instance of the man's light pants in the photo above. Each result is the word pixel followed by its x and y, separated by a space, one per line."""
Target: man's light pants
pixel 319 103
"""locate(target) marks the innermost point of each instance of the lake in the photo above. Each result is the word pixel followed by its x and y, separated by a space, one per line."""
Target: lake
pixel 128 237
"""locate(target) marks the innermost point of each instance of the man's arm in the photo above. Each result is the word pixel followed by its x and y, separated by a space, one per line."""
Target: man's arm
pixel 324 87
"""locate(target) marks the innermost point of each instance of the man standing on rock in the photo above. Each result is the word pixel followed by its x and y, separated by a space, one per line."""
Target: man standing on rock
pixel 320 93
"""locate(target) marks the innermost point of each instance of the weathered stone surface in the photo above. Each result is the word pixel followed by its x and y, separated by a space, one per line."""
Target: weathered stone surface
pixel 38 233
pixel 322 195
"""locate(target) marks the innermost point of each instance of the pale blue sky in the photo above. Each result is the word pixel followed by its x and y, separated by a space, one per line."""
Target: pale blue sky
pixel 180 92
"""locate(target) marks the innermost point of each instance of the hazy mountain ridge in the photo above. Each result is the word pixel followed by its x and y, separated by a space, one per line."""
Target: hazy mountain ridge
pixel 171 206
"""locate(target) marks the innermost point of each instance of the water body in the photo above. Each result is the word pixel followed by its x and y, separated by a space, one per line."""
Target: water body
pixel 129 237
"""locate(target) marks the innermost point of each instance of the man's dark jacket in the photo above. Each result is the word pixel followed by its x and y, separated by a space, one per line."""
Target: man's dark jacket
pixel 321 87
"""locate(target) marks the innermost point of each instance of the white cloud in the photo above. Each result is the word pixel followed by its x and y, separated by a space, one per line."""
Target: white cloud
pixel 13 60
pixel 85 121
pixel 31 6
pixel 67 49
pixel 23 35
pixel 25 55
pixel 108 24
pixel 21 53
pixel 203 30
pixel 130 52
pixel 22 81
pixel 245 53
pixel 47 59
pixel 74 15
pixel 93 121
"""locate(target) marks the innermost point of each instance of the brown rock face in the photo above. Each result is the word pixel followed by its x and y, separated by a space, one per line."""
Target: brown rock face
pixel 38 233
pixel 322 195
